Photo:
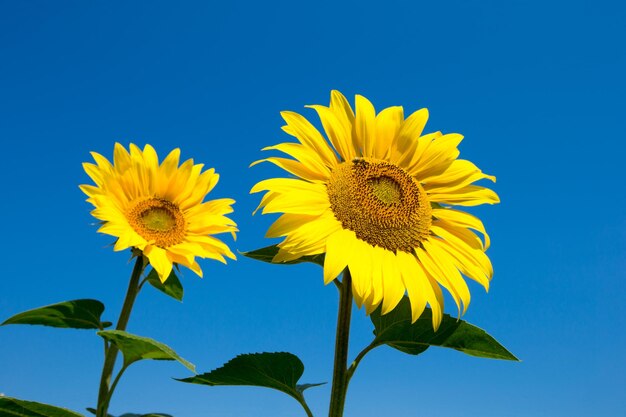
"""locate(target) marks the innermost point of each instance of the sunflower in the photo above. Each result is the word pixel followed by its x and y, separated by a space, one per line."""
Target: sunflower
pixel 375 196
pixel 158 208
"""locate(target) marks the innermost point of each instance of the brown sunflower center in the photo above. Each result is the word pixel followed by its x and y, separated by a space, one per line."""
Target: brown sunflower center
pixel 157 220
pixel 380 203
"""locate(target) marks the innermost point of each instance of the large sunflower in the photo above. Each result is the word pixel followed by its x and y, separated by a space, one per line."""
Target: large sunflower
pixel 159 208
pixel 376 200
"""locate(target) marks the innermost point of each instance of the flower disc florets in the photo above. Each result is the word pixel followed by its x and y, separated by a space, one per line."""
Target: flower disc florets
pixel 380 203
pixel 158 220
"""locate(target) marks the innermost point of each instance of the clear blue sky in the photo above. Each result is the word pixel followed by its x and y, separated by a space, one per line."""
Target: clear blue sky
pixel 536 87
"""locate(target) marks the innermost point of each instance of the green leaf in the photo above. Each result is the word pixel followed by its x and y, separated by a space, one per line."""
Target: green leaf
pixel 93 411
pixel 395 329
pixel 136 348
pixel 12 407
pixel 277 370
pixel 267 254
pixel 76 314
pixel 171 286
pixel 146 415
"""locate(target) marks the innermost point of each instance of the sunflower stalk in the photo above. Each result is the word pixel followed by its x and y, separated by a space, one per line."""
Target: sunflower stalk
pixel 105 392
pixel 340 369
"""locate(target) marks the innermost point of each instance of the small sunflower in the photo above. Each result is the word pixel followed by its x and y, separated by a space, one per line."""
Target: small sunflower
pixel 159 208
pixel 376 197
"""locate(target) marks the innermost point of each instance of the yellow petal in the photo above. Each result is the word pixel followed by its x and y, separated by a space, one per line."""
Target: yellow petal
pixel 360 265
pixel 304 155
pixel 298 202
pixel 292 196
pixel 339 245
pixel 121 158
pixel 437 156
pixel 365 125
pixel 470 195
pixel 388 123
pixel 310 238
pixel 438 306
pixel 462 219
pixel 296 168
pixel 340 106
pixel 448 231
pixel 413 153
pixel 446 264
pixel 284 185
pixel 468 266
pixel 170 163
pixel 392 282
pixel 458 175
pixel 287 223
pixel 94 173
pixel 432 268
pixel 337 132
pixel 407 138
pixel 419 288
pixel 377 290
pixel 467 242
pixel 159 261
pixel 299 127
pixel 102 162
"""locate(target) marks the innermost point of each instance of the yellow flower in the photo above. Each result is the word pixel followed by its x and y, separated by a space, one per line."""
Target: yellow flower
pixel 159 208
pixel 376 199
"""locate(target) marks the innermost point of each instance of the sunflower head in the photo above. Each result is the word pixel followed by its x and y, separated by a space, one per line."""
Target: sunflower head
pixel 159 208
pixel 376 195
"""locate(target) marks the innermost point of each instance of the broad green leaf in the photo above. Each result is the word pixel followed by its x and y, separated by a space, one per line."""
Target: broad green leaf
pixel 93 411
pixel 146 415
pixel 76 314
pixel 12 407
pixel 277 370
pixel 136 348
pixel 267 253
pixel 395 329
pixel 171 286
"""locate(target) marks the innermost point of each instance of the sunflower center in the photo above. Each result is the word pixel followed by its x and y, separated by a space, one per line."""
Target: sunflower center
pixel 157 220
pixel 382 204
pixel 386 189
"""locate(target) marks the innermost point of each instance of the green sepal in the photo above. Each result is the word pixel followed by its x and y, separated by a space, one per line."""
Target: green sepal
pixel 277 370
pixel 267 254
pixel 136 348
pixel 75 314
pixel 172 285
pixel 395 329
pixel 12 407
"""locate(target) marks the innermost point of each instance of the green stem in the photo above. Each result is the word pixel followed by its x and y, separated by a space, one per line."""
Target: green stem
pixel 104 394
pixel 340 369
pixel 360 356
pixel 114 384
pixel 306 407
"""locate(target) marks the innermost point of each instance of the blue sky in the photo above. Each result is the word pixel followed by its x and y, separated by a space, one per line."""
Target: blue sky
pixel 537 88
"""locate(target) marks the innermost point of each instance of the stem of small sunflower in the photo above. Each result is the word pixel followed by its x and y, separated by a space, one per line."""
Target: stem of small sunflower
pixel 111 353
pixel 340 370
